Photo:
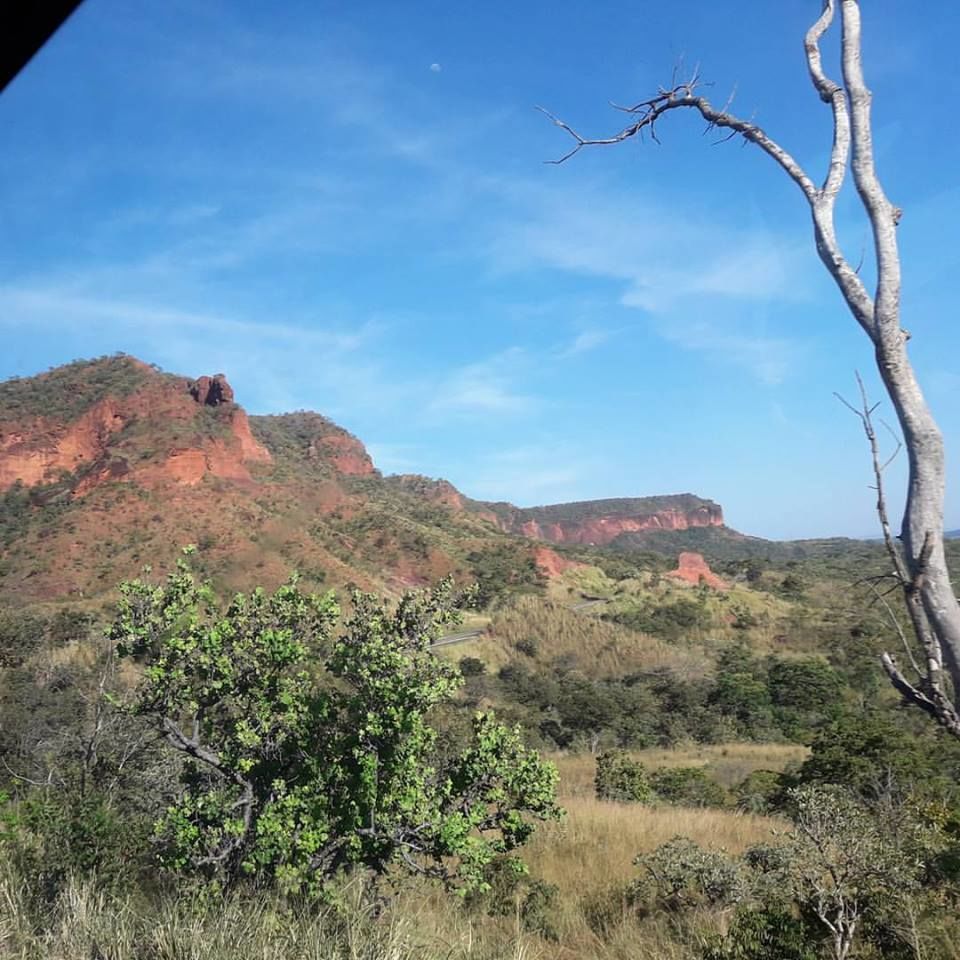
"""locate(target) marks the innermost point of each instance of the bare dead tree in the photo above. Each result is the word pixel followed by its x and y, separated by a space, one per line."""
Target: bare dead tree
pixel 917 554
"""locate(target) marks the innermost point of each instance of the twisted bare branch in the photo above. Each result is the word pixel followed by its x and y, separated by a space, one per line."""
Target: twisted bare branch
pixel 919 564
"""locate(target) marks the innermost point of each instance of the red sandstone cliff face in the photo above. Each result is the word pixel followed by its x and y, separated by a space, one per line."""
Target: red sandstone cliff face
pixel 692 568
pixel 38 452
pixel 601 530
pixel 94 449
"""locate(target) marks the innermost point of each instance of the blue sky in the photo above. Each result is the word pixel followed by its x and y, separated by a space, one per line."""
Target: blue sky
pixel 344 207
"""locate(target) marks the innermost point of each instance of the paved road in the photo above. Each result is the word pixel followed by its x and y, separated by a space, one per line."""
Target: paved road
pixel 457 638
pixel 466 635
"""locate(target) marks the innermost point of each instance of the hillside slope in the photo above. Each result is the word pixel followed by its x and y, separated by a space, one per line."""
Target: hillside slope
pixel 109 465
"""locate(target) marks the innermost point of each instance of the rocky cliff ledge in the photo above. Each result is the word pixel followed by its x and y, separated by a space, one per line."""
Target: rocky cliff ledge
pixel 118 419
pixel 598 522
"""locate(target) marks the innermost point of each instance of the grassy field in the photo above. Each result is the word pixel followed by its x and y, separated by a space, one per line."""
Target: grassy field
pixel 728 764
pixel 587 857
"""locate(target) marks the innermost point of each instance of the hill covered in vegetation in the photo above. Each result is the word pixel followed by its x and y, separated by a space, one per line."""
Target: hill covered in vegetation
pixel 725 695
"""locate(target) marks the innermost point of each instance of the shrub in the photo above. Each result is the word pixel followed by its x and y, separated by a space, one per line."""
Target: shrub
pixel 770 933
pixel 620 778
pixel 760 791
pixel 472 666
pixel 306 755
pixel 687 786
pixel 680 875
pixel 510 891
pixel 52 837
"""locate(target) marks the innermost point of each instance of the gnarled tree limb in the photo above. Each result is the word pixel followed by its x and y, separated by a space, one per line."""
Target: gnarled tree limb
pixel 920 565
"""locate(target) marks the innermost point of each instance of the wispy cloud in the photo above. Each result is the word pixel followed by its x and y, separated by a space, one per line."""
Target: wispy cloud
pixel 673 268
pixel 483 388
pixel 541 471
pixel 769 359
pixel 24 306
pixel 583 342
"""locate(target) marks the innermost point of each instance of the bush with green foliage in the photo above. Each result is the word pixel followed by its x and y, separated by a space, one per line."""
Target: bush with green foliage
pixel 765 933
pixel 620 778
pixel 679 874
pixel 472 667
pixel 872 751
pixel 507 567
pixel 512 892
pixel 671 621
pixel 845 871
pixel 53 836
pixel 308 754
pixel 688 787
pixel 760 791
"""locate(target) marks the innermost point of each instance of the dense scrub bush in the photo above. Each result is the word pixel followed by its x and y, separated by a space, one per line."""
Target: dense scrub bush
pixel 680 875
pixel 760 791
pixel 54 837
pixel 307 753
pixel 620 778
pixel 671 621
pixel 511 892
pixel 509 567
pixel 765 933
pixel 847 872
pixel 688 787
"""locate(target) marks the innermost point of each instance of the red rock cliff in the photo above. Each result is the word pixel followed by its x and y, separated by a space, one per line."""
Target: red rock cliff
pixel 692 568
pixel 167 440
pixel 598 522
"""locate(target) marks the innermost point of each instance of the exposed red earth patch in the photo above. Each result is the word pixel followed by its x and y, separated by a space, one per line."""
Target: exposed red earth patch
pixel 692 568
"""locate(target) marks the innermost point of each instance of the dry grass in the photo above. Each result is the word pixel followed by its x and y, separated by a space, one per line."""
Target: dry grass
pixel 588 856
pixel 728 764
pixel 599 648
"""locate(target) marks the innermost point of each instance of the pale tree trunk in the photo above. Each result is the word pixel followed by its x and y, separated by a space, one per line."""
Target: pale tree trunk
pixel 918 559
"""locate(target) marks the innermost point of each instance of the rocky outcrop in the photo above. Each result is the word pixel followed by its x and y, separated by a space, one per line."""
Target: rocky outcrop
pixel 551 564
pixel 94 450
pixel 598 522
pixel 251 450
pixel 436 491
pixel 345 453
pixel 37 453
pixel 211 391
pixel 315 442
pixel 692 568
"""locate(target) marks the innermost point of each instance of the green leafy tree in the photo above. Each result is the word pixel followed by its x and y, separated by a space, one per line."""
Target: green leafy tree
pixel 620 778
pixel 309 754
pixel 805 693
pixel 870 751
pixel 740 692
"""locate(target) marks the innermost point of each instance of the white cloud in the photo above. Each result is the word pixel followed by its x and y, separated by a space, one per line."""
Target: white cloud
pixel 670 266
pixel 769 359
pixel 486 387
pixel 549 471
pixel 585 341
pixel 26 306
pixel 435 68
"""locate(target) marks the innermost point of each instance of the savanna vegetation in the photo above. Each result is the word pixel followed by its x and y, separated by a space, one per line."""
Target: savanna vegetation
pixel 191 775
